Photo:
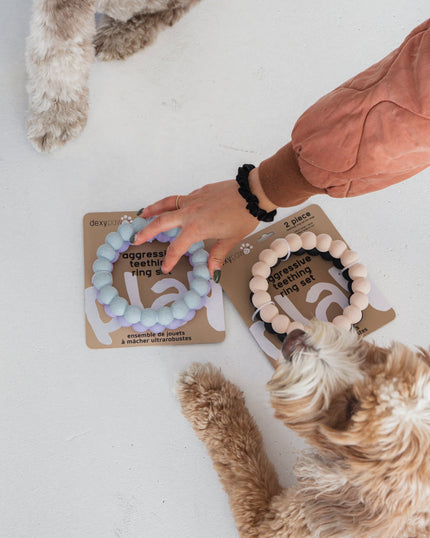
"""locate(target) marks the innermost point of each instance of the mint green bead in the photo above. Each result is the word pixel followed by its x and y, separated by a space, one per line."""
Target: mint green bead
pixel 132 314
pixel 118 306
pixel 115 240
pixel 106 251
pixel 165 316
pixel 138 224
pixel 102 278
pixel 196 246
pixel 199 256
pixel 102 264
pixel 174 232
pixel 125 230
pixel 148 317
pixel 200 285
pixel 192 299
pixel 179 309
pixel 201 270
pixel 107 294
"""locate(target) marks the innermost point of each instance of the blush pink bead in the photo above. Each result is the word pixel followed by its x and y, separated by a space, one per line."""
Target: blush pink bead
pixel 309 240
pixel 281 247
pixel 268 312
pixel 348 258
pixel 323 242
pixel 352 313
pixel 342 322
pixel 337 248
pixel 358 270
pixel 360 300
pixel 294 241
pixel 295 325
pixel 280 323
pixel 260 269
pixel 268 257
pixel 361 285
pixel 258 283
pixel 260 298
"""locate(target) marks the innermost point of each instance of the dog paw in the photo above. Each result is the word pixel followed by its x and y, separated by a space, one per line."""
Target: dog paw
pixel 114 40
pixel 51 128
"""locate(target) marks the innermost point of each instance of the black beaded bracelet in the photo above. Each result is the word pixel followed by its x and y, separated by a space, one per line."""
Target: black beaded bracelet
pixel 251 199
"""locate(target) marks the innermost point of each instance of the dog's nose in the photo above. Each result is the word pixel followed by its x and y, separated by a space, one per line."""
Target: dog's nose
pixel 292 340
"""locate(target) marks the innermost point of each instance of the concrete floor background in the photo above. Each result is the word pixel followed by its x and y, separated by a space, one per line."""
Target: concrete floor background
pixel 93 443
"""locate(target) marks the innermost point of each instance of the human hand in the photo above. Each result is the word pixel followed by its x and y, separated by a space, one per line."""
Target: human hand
pixel 215 211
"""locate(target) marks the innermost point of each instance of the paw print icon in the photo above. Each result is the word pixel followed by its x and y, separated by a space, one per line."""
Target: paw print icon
pixel 126 218
pixel 246 248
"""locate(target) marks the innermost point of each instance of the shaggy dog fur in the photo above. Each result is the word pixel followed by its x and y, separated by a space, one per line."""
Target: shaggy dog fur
pixel 365 410
pixel 61 48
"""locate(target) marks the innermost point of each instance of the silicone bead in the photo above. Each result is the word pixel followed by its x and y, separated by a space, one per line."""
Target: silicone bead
pixel 200 285
pixel 280 323
pixel 296 325
pixel 180 309
pixel 323 242
pixel 174 232
pixel 260 269
pixel 258 283
pixel 148 318
pixel 309 240
pixel 294 241
pixel 164 316
pixel 126 230
pixel 281 247
pixel 360 300
pixel 107 293
pixel 114 240
pixel 102 278
pixel 342 322
pixel 358 270
pixel 337 248
pixel 199 256
pixel 201 270
pixel 268 312
pixel 348 258
pixel 106 251
pixel 102 264
pixel 268 257
pixel 132 314
pixel 353 313
pixel 139 224
pixel 118 306
pixel 196 246
pixel 260 298
pixel 361 285
pixel 192 299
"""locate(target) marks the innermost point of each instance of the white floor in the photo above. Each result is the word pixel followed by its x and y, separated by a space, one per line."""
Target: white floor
pixel 93 443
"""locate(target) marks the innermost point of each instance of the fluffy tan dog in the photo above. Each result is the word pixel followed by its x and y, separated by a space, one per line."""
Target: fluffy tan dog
pixel 365 409
pixel 61 48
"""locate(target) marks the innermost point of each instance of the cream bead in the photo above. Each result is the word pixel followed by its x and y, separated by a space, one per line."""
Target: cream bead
pixel 268 312
pixel 361 285
pixel 358 270
pixel 342 322
pixel 260 298
pixel 268 257
pixel 258 283
pixel 281 247
pixel 309 240
pixel 260 269
pixel 353 313
pixel 337 248
pixel 360 300
pixel 348 258
pixel 323 242
pixel 295 325
pixel 280 323
pixel 294 241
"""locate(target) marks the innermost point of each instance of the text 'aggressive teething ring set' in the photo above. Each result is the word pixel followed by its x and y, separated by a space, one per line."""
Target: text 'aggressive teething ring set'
pixel 167 317
pixel 307 242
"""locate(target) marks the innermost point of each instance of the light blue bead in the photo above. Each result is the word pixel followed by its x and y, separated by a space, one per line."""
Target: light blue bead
pixel 114 240
pixel 201 270
pixel 200 285
pixel 196 246
pixel 200 256
pixel 138 224
pixel 118 306
pixel 179 309
pixel 106 251
pixel 125 230
pixel 102 278
pixel 102 264
pixel 192 299
pixel 148 317
pixel 132 314
pixel 174 232
pixel 165 316
pixel 107 294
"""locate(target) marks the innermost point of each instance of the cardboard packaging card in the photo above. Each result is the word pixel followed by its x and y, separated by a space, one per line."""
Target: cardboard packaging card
pixel 138 278
pixel 304 286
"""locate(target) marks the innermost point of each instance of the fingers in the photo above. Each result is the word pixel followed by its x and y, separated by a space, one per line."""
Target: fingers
pixel 162 223
pixel 175 251
pixel 166 204
pixel 217 256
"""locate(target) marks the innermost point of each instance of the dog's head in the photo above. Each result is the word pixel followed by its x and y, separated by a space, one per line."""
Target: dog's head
pixel 364 407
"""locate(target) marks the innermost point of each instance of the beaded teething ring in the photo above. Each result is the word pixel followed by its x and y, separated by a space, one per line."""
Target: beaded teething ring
pixel 329 249
pixel 170 317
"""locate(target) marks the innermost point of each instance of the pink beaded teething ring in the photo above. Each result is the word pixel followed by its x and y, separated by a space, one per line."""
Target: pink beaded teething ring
pixel 307 242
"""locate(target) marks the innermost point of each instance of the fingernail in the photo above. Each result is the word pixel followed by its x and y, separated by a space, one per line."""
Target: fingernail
pixel 132 238
pixel 140 211
pixel 217 276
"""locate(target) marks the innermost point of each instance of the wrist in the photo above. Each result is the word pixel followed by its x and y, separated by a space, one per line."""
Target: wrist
pixel 256 188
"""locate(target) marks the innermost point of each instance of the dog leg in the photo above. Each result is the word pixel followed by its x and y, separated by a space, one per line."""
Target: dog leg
pixel 116 40
pixel 216 409
pixel 59 56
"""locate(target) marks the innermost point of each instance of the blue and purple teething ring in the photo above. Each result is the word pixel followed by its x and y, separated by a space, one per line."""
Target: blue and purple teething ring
pixel 167 317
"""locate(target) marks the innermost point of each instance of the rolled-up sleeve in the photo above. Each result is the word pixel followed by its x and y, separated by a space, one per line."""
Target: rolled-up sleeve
pixel 369 133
